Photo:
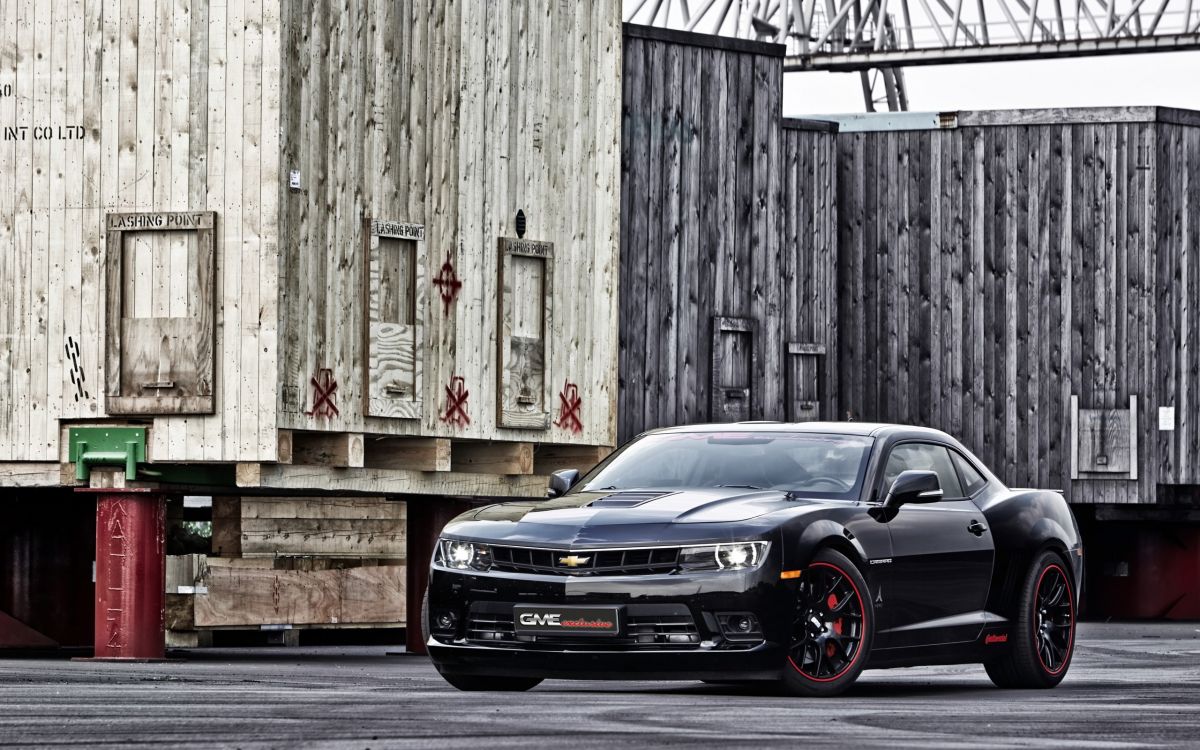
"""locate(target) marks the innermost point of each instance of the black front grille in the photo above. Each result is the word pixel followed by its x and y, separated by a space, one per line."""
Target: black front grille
pixel 614 562
pixel 646 626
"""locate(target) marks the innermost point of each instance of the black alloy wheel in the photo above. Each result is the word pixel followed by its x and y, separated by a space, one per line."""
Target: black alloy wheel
pixel 1054 622
pixel 831 627
pixel 1042 639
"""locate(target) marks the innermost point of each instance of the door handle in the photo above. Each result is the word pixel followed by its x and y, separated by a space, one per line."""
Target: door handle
pixel 976 528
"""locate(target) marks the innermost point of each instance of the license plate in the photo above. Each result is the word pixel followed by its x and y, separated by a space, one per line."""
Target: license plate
pixel 534 620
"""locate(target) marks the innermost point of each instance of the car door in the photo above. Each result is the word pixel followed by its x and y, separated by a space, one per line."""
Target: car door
pixel 942 556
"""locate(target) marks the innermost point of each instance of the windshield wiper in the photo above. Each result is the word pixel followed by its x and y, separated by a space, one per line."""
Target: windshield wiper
pixel 741 486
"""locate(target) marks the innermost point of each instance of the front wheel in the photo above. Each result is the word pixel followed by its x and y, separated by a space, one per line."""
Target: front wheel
pixel 1043 638
pixel 832 629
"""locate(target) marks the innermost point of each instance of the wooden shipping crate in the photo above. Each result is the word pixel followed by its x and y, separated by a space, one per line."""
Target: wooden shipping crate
pixel 244 221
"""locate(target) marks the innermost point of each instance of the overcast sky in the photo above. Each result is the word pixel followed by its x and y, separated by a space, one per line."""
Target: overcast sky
pixel 1167 79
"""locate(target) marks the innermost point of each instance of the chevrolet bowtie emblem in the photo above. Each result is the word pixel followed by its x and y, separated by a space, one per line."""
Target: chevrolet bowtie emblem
pixel 573 561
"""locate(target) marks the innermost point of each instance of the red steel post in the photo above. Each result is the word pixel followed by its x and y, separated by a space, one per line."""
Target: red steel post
pixel 130 575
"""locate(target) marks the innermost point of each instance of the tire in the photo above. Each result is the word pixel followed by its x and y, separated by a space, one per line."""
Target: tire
pixel 1043 634
pixel 834 625
pixel 477 683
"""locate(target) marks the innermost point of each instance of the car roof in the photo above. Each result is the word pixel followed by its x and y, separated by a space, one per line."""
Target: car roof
pixel 871 429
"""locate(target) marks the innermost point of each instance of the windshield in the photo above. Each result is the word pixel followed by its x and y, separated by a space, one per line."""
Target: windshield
pixel 806 464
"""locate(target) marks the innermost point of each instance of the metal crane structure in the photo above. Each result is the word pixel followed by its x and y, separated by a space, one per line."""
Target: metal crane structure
pixel 879 38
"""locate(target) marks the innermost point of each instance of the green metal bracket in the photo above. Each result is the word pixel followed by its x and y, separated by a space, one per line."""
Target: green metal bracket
pixel 108 446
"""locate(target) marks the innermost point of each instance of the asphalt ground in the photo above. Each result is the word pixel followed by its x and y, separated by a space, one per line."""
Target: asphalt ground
pixel 1130 686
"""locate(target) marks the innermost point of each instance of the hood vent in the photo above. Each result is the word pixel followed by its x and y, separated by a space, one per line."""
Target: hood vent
pixel 627 499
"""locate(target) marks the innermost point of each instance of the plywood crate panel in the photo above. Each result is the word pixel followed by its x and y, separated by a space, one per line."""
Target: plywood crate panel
pixel 143 109
pixel 450 116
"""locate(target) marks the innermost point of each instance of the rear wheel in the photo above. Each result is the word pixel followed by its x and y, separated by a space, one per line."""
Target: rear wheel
pixel 832 628
pixel 1043 638
pixel 477 683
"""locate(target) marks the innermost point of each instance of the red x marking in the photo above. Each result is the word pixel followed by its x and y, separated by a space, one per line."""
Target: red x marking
pixel 324 389
pixel 569 401
pixel 456 402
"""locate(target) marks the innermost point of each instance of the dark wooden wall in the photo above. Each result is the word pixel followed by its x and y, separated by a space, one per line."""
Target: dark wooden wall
pixel 1178 269
pixel 727 213
pixel 974 278
pixel 991 271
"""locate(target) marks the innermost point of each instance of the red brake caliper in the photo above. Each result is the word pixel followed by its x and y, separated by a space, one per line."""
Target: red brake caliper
pixel 832 602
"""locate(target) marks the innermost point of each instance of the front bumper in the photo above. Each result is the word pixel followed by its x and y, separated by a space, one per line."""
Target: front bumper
pixel 762 662
pixel 672 627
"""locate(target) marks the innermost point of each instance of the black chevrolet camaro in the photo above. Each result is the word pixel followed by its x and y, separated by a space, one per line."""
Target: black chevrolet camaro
pixel 799 553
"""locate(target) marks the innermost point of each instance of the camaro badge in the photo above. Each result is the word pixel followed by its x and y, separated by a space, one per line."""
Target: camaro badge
pixel 573 561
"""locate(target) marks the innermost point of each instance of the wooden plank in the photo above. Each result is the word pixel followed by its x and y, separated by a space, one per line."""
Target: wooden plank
pixel 283 509
pixel 212 445
pixel 272 182
pixel 329 537
pixel 635 246
pixel 663 323
pixel 713 230
pixel 657 88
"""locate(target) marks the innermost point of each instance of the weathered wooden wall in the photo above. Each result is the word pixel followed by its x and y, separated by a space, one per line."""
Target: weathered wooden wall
pixel 157 105
pixel 441 114
pixel 991 271
pixel 727 212
pixel 454 116
pixel 1177 243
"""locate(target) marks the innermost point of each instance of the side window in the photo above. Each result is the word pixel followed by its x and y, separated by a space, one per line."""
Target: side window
pixel 923 457
pixel 971 478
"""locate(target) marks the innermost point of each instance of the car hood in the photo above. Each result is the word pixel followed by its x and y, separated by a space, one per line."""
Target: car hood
pixel 625 516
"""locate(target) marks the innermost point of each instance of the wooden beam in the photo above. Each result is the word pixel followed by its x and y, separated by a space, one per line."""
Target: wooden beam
pixel 340 449
pixel 414 454
pixel 548 459
pixel 248 475
pixel 346 527
pixel 227 525
pixel 394 482
pixel 492 457
pixel 32 475
pixel 250 596
pixel 283 453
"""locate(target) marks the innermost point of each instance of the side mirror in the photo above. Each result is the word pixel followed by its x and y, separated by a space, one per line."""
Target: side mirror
pixel 561 481
pixel 914 487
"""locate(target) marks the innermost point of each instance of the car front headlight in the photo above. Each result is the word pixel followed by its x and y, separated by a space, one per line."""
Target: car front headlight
pixel 733 556
pixel 460 555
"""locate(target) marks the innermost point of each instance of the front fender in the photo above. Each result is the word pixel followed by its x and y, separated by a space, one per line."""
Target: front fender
pixel 822 533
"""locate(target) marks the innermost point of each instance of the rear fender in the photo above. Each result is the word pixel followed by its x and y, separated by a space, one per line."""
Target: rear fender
pixel 1024 524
